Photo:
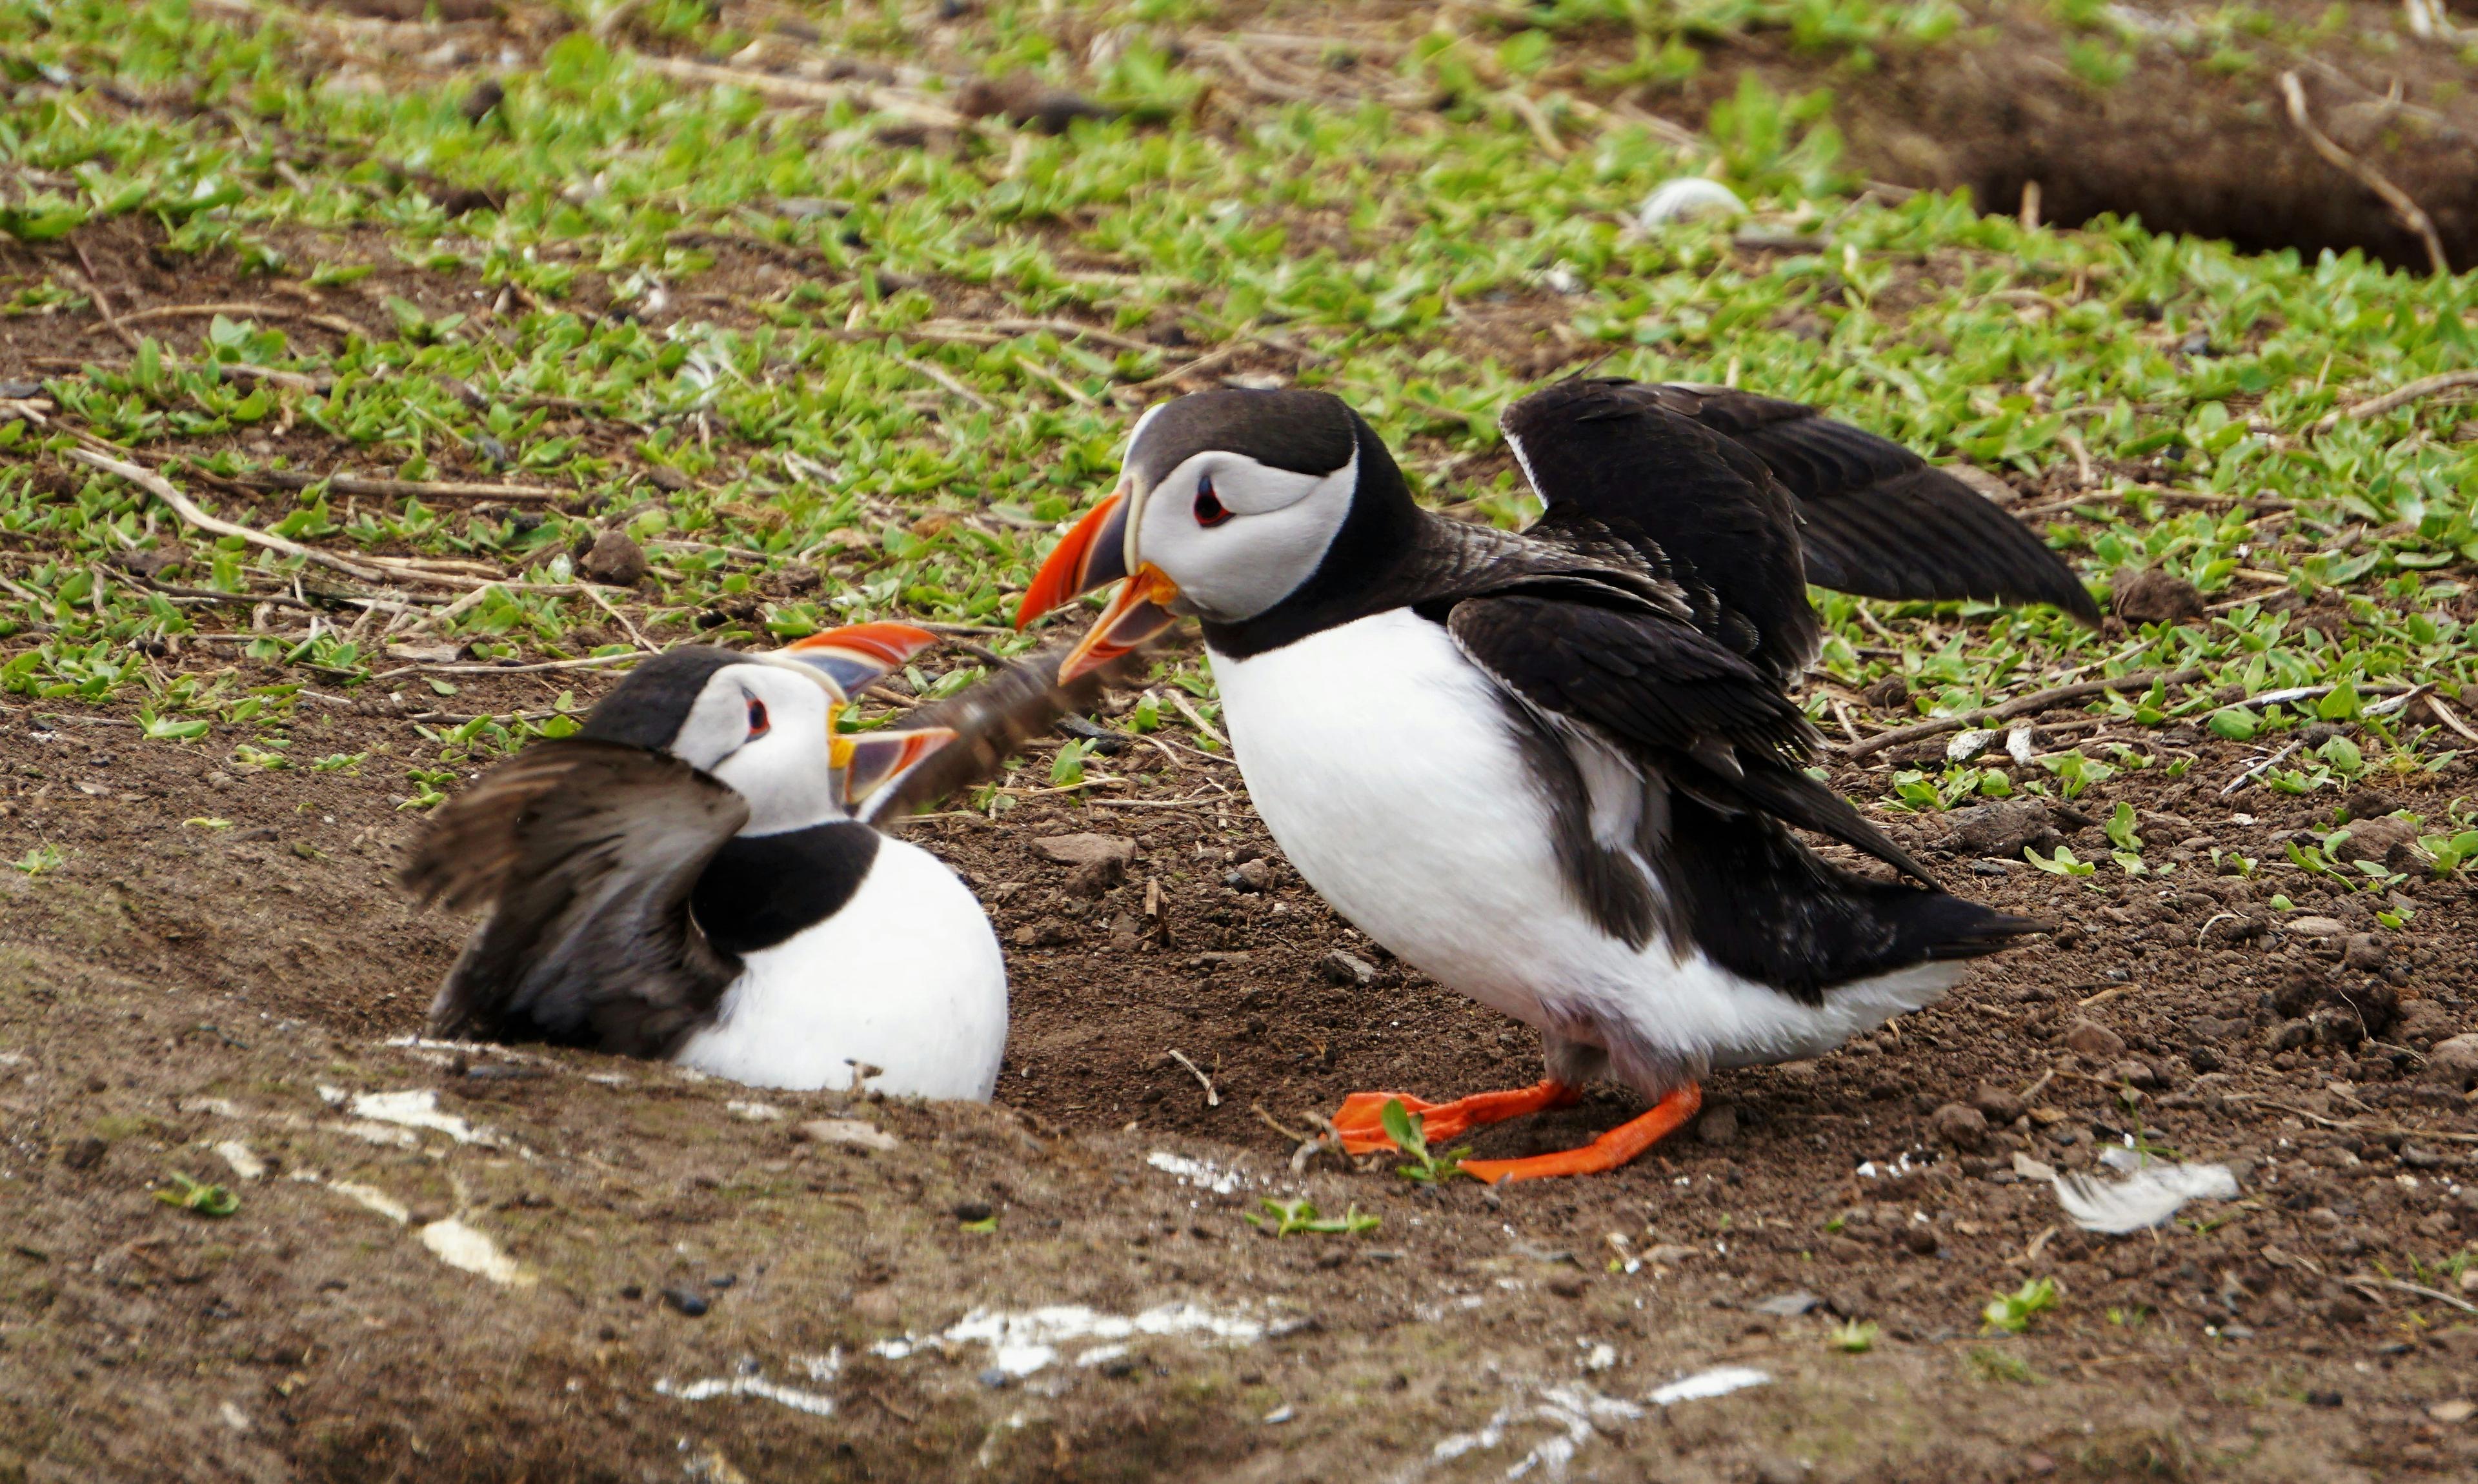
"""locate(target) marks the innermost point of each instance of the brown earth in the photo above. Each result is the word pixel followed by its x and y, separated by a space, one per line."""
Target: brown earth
pixel 176 985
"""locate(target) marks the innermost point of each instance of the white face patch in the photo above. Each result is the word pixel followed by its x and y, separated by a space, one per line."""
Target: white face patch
pixel 785 770
pixel 1238 536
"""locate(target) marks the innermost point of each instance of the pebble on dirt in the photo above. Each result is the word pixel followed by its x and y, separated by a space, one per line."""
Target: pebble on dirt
pixel 2154 596
pixel 2095 1041
pixel 1346 969
pixel 1718 1127
pixel 614 559
pixel 969 1211
pixel 2001 830
pixel 1959 1125
pixel 687 1300
pixel 2454 1061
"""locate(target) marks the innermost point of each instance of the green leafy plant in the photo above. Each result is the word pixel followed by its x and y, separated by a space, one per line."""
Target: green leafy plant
pixel 40 860
pixel 2011 1313
pixel 2060 864
pixel 1999 1366
pixel 1284 1218
pixel 1409 1133
pixel 1852 1337
pixel 194 1196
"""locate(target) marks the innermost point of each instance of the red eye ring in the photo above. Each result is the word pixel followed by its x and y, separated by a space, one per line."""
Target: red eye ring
pixel 1210 509
pixel 758 725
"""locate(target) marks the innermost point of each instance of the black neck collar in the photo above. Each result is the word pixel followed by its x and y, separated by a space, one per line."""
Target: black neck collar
pixel 760 889
pixel 1361 572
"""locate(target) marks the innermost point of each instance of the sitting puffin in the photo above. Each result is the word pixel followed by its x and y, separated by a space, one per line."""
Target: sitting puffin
pixel 694 876
pixel 1559 770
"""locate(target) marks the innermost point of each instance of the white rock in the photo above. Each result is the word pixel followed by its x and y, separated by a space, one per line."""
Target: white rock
pixel 1969 745
pixel 1686 198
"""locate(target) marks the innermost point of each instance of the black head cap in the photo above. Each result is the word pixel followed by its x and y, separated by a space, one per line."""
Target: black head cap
pixel 1301 432
pixel 654 703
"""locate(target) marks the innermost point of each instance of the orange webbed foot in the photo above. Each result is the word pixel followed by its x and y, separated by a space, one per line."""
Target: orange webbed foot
pixel 1608 1152
pixel 1360 1119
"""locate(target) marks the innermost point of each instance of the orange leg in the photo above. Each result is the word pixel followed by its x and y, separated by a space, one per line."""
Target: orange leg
pixel 1607 1152
pixel 1361 1120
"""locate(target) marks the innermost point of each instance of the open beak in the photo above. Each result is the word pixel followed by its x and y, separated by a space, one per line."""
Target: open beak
pixel 1095 553
pixel 872 762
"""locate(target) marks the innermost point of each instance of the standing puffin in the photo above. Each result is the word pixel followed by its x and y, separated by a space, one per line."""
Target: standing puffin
pixel 694 876
pixel 1559 770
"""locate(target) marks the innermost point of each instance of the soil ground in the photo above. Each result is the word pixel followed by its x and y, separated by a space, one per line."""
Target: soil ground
pixel 220 970
pixel 177 988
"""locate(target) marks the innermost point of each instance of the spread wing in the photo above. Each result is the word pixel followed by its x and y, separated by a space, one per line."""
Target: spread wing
pixel 1880 521
pixel 1620 473
pixel 585 853
pixel 992 718
pixel 1657 686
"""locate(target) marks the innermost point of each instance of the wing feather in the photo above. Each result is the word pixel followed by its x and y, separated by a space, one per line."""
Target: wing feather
pixel 585 852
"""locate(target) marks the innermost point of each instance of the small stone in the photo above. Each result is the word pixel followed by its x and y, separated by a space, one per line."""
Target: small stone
pixel 2095 1041
pixel 1996 1102
pixel 1787 1306
pixel 1891 693
pixel 83 1153
pixel 1567 1285
pixel 2315 926
pixel 852 1132
pixel 1086 849
pixel 969 1211
pixel 632 1292
pixel 995 1379
pixel 1249 877
pixel 687 1300
pixel 2322 1398
pixel 1118 1368
pixel 2383 841
pixel 1770 1469
pixel 2454 1061
pixel 1096 878
pixel 1048 933
pixel 2137 1074
pixel 665 477
pixel 2453 1413
pixel 1920 1237
pixel 2002 830
pixel 2287 1036
pixel 2364 951
pixel 2154 596
pixel 616 559
pixel 1959 1126
pixel 2417 1156
pixel 1348 970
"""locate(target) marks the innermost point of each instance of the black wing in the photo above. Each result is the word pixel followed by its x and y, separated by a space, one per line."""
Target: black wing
pixel 585 852
pixel 1662 688
pixel 1880 521
pixel 992 718
pixel 1615 465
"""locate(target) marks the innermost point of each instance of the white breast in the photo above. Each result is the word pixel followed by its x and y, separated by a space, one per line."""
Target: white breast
pixel 906 978
pixel 1387 768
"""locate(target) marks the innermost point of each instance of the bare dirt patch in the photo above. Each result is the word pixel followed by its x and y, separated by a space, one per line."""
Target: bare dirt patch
pixel 174 988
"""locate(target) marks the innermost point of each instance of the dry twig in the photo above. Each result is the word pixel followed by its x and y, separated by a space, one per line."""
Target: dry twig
pixel 2412 215
pixel 2020 706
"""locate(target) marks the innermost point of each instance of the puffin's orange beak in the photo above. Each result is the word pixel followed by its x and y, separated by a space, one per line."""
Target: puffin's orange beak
pixel 1094 553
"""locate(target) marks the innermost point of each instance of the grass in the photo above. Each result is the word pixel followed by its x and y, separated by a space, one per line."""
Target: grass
pixel 816 368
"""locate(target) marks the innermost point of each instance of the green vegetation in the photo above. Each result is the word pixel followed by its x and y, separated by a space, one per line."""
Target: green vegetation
pixel 203 1200
pixel 828 365
pixel 1284 1218
pixel 2011 1314
pixel 1409 1132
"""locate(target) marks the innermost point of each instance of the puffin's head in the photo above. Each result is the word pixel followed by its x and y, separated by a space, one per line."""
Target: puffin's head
pixel 764 724
pixel 1227 503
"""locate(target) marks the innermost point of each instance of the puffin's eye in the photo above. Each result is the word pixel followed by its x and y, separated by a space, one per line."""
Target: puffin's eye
pixel 758 725
pixel 1210 510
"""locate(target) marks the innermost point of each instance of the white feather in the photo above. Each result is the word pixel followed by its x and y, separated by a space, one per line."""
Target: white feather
pixel 907 978
pixel 1385 766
